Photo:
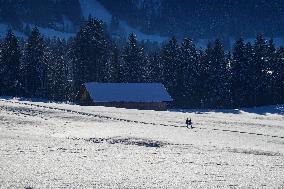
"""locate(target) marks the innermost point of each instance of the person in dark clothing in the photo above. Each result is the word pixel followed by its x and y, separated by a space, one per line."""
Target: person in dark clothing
pixel 188 123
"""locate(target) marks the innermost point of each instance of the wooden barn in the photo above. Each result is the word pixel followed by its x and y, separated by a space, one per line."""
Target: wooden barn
pixel 144 96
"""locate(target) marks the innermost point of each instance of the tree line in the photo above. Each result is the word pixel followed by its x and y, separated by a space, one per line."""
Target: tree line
pixel 251 75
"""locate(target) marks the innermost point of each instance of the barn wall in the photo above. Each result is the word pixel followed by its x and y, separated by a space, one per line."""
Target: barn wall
pixel 84 98
pixel 160 106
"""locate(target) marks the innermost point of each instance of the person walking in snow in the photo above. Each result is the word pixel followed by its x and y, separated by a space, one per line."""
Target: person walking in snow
pixel 188 123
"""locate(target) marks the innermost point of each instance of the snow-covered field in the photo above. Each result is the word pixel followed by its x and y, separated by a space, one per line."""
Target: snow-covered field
pixel 49 145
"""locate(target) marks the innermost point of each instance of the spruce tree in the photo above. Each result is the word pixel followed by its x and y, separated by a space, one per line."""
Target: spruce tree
pixel 189 74
pixel 35 62
pixel 10 65
pixel 259 62
pixel 250 75
pixel 170 57
pixel 203 73
pixel 278 77
pixel 154 68
pixel 58 71
pixel 89 52
pixel 116 70
pixel 133 61
pixel 270 96
pixel 218 81
pixel 240 74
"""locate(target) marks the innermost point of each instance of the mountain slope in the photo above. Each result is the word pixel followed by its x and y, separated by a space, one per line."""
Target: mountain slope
pixel 202 19
pixel 95 9
pixel 58 18
pixel 151 19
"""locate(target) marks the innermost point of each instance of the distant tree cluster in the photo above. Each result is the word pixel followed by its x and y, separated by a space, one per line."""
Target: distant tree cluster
pixel 252 75
pixel 37 68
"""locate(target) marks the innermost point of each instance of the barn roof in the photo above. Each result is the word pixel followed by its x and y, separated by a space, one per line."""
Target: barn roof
pixel 127 92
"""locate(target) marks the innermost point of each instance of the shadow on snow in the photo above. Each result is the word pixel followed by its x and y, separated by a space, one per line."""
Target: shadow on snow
pixel 262 110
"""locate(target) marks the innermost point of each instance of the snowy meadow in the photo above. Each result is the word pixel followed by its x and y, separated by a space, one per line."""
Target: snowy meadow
pixel 49 145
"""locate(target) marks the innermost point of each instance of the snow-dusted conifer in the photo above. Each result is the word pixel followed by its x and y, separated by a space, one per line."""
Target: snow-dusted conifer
pixel 170 56
pixel 58 71
pixel 189 76
pixel 10 55
pixel 133 61
pixel 35 62
pixel 240 74
pixel 89 53
pixel 217 90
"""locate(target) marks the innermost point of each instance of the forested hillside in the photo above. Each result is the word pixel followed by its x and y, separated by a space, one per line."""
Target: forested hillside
pixel 251 75
pixel 223 19
pixel 46 13
pixel 202 19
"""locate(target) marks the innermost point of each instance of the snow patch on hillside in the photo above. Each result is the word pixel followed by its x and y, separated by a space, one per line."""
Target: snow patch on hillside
pixel 95 9
pixel 48 32
pixel 140 3
pixel 4 28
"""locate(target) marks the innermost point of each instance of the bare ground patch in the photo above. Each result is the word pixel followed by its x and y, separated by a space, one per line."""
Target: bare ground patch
pixel 128 141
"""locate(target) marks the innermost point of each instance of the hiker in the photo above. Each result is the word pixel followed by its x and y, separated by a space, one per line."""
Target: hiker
pixel 188 123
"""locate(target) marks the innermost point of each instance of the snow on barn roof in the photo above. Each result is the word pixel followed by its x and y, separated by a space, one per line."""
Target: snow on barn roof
pixel 127 92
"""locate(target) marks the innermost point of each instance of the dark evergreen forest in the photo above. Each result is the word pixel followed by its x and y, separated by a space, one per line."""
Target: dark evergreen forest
pixel 202 18
pixel 250 75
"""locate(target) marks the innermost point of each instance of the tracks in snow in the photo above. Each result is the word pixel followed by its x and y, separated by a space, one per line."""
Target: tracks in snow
pixel 134 121
pixel 90 114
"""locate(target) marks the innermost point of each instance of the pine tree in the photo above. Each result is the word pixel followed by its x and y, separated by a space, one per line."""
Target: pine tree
pixel 259 67
pixel 58 71
pixel 116 70
pixel 278 77
pixel 170 57
pixel 89 54
pixel 133 61
pixel 203 73
pixel 10 64
pixel 35 62
pixel 217 93
pixel 189 64
pixel 154 68
pixel 240 74
pixel 69 61
pixel 250 75
pixel 269 80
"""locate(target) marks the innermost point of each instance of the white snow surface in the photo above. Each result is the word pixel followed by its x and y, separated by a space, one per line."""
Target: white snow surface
pixel 97 10
pixel 127 92
pixel 52 145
